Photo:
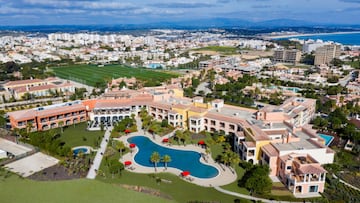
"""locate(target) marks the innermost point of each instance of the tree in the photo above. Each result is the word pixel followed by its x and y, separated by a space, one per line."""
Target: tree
pixel 115 167
pixel 155 159
pixel 221 139
pixel 234 159
pixel 166 159
pixel 179 135
pixel 102 126
pixel 122 84
pixel 29 126
pixel 120 146
pixel 257 180
pixel 61 125
pixel 2 119
pixel 164 123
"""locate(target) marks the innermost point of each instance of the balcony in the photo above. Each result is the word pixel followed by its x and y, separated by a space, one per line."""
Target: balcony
pixel 251 154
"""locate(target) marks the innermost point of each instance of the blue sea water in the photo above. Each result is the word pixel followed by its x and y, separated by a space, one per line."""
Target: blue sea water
pixel 180 159
pixel 345 39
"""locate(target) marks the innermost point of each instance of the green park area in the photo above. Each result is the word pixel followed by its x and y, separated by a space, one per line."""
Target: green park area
pixel 226 50
pixel 79 136
pixel 18 190
pixel 94 75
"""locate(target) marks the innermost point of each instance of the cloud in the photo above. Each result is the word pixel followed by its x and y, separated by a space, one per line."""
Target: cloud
pixel 351 1
pixel 260 6
pixel 181 5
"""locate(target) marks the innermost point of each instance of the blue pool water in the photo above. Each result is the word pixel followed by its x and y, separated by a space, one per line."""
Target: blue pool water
pixel 83 150
pixel 293 89
pixel 327 138
pixel 180 159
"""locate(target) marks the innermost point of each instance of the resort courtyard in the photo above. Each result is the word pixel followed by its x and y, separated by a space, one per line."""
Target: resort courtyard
pixel 223 174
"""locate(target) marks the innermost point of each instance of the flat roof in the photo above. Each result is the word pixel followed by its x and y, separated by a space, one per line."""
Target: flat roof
pixel 303 144
pixel 238 113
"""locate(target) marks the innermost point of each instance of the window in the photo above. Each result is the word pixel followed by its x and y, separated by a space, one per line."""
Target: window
pixel 232 127
pixel 313 188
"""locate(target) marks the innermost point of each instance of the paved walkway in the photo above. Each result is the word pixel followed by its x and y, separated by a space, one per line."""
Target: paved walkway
pixel 99 155
pixel 347 184
pixel 226 175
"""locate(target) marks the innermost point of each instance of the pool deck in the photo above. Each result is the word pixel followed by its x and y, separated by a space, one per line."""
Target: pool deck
pixel 225 176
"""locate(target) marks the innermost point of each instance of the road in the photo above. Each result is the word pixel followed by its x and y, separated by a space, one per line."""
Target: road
pixel 99 155
pixel 203 87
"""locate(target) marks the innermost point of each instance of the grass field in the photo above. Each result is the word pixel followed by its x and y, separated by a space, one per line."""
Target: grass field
pixel 79 136
pixel 221 49
pixel 178 189
pixel 14 189
pixel 92 74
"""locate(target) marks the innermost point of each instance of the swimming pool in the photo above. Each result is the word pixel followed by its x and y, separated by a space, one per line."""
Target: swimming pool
pixel 180 159
pixel 80 149
pixel 328 139
pixel 293 89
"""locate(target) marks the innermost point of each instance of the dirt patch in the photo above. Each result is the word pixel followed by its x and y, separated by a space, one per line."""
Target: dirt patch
pixel 57 172
pixel 147 190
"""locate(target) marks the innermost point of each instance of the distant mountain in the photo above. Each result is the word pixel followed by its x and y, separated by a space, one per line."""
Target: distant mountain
pixel 184 24
pixel 285 23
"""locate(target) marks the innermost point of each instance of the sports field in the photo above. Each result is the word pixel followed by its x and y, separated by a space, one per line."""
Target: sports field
pixel 93 74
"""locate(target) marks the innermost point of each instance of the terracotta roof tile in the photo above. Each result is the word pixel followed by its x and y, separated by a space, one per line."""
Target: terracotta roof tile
pixel 311 169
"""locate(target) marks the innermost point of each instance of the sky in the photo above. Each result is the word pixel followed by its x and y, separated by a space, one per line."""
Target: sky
pixel 85 12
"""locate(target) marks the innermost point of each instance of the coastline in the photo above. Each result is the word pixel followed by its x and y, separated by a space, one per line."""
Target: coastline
pixel 309 34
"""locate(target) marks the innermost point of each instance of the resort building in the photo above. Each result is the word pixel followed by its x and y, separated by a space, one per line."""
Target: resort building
pixel 325 54
pixel 278 136
pixel 287 56
pixel 49 117
pixel 38 88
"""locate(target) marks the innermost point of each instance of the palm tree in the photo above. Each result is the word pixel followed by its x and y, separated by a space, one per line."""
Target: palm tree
pixel 234 159
pixel 61 124
pixel 120 146
pixel 225 158
pixel 155 158
pixel 29 126
pixel 166 159
pixel 179 135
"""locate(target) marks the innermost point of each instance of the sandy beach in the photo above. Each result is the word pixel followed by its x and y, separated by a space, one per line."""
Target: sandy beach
pixel 309 34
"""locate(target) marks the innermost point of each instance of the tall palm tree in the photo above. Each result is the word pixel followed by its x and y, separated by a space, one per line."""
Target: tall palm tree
pixel 166 159
pixel 155 159
pixel 29 126
pixel 234 159
pixel 225 158
pixel 179 135
pixel 61 125
pixel 120 146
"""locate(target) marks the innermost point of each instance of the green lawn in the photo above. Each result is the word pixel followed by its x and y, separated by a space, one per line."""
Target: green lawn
pixel 79 136
pixel 222 49
pixel 234 185
pixel 92 74
pixel 179 190
pixel 354 64
pixel 17 190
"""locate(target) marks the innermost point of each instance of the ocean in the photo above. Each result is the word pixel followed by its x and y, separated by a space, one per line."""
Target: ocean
pixel 344 38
